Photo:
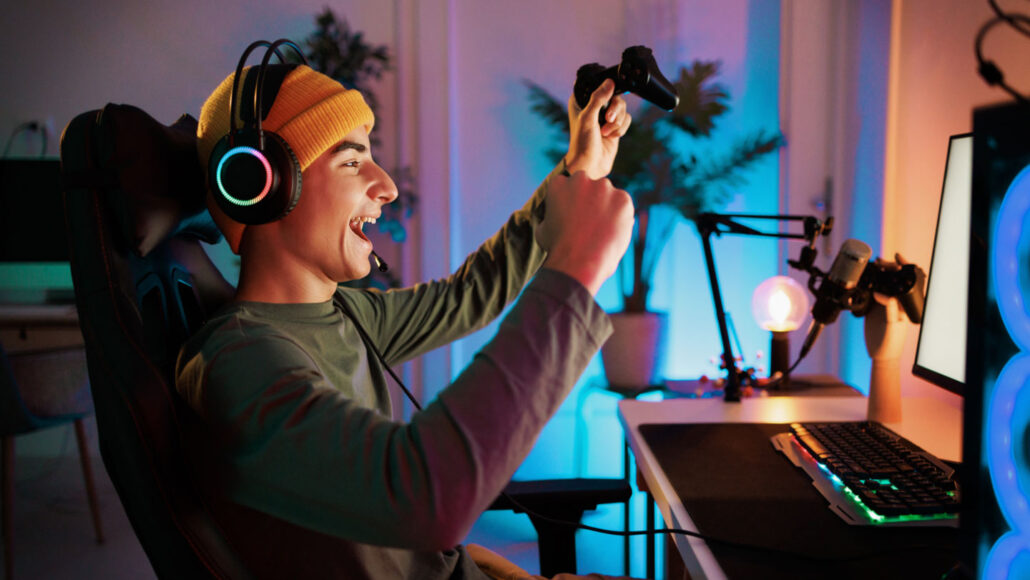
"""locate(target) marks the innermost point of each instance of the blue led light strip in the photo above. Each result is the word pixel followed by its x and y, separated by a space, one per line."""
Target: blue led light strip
pixel 1008 410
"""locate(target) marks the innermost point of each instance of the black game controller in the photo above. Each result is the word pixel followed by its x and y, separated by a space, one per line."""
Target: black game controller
pixel 637 73
pixel 907 284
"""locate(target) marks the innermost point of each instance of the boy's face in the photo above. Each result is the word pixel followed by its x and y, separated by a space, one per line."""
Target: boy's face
pixel 342 191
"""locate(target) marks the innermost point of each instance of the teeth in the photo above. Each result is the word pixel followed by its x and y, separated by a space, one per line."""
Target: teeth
pixel 361 221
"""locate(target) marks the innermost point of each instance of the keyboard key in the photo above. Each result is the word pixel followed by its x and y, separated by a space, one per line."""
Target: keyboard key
pixel 889 474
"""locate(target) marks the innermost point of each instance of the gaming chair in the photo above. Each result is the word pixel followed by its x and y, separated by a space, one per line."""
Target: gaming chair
pixel 135 213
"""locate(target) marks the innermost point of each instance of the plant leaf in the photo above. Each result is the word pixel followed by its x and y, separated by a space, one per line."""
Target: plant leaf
pixel 547 106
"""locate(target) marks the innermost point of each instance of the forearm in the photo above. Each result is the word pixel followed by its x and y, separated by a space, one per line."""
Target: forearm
pixel 298 450
pixel 501 402
pixel 408 322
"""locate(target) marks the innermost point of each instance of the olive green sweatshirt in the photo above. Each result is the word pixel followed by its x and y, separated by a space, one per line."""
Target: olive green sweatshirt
pixel 297 451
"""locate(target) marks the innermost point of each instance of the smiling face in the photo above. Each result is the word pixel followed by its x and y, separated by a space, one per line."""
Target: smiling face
pixel 342 191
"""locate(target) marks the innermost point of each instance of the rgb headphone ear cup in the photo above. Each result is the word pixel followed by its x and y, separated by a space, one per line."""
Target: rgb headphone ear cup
pixel 254 185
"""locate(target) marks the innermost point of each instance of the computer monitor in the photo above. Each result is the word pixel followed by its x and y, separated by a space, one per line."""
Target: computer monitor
pixel 33 242
pixel 941 350
pixel 31 211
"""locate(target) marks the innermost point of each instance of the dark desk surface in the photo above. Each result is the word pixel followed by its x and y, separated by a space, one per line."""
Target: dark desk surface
pixel 934 423
pixel 735 486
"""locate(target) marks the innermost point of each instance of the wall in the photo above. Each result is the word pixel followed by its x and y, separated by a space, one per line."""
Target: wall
pixel 936 89
pixel 455 109
pixel 834 77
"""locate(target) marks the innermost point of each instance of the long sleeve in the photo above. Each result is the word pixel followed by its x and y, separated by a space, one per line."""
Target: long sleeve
pixel 299 449
pixel 408 322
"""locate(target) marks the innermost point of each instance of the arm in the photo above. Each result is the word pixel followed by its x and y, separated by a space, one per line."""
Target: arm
pixel 294 447
pixel 410 322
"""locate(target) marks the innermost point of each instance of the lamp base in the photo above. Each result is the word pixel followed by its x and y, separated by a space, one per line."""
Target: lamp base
pixel 779 357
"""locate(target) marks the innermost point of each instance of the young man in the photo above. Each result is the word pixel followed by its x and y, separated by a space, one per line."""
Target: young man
pixel 301 461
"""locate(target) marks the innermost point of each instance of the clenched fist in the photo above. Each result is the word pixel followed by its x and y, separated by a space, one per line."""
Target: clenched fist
pixel 586 228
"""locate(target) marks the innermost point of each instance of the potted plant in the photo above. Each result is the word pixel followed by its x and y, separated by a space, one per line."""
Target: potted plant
pixel 667 164
pixel 344 55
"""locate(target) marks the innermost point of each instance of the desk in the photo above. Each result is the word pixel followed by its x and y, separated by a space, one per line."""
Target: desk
pixel 930 423
pixel 28 328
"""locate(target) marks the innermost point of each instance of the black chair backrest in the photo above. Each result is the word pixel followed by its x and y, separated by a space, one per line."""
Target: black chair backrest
pixel 135 216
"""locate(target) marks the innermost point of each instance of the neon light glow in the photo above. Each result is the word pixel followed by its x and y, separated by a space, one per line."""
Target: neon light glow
pixel 875 517
pixel 1008 411
pixel 264 162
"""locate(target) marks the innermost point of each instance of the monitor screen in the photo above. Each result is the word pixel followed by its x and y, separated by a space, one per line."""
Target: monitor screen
pixel 31 211
pixel 941 351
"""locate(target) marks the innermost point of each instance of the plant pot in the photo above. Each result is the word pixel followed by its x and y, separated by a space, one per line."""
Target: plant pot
pixel 634 356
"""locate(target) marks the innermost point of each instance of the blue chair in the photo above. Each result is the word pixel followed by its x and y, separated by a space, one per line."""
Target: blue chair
pixel 40 389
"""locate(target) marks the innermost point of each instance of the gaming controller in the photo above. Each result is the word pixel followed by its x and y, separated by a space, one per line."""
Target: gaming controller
pixel 907 284
pixel 637 73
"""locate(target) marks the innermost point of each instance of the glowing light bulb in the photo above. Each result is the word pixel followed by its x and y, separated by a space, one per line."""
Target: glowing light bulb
pixel 779 307
pixel 779 304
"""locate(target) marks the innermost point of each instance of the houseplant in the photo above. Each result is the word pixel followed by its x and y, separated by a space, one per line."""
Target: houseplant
pixel 666 162
pixel 343 54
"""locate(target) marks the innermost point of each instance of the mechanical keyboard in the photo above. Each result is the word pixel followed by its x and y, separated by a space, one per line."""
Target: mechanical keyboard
pixel 871 475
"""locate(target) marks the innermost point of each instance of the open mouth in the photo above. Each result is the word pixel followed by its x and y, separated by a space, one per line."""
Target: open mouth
pixel 358 223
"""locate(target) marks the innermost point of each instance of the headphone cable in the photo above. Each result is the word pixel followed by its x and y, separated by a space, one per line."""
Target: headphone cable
pixel 579 525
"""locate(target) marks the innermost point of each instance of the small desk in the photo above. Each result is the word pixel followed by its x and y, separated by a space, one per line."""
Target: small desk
pixel 39 327
pixel 933 424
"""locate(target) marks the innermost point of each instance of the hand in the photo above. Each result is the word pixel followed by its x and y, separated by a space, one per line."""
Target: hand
pixel 592 148
pixel 885 328
pixel 586 228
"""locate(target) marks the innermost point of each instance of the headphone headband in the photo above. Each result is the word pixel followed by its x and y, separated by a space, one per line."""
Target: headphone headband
pixel 272 48
pixel 255 178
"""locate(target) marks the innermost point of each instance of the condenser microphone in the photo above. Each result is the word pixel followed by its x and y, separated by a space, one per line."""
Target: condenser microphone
pixel 834 294
pixel 379 262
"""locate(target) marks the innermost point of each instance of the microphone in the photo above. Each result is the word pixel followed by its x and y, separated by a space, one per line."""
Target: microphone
pixel 834 294
pixel 379 262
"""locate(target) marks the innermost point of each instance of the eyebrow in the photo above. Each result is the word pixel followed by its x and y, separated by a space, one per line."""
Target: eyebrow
pixel 349 145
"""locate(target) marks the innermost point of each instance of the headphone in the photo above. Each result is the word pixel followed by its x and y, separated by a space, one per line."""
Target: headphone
pixel 253 174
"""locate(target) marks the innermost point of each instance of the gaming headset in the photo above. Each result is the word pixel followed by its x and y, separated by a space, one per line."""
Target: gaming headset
pixel 253 174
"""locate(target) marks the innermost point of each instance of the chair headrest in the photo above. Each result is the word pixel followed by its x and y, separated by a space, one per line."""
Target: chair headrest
pixel 155 167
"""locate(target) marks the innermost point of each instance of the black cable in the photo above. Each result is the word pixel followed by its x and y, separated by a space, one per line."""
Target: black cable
pixel 987 69
pixel 785 375
pixel 579 525
pixel 733 543
pixel 1013 21
pixel 379 355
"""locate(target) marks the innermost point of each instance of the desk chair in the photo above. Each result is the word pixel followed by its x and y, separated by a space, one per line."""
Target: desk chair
pixel 135 213
pixel 38 390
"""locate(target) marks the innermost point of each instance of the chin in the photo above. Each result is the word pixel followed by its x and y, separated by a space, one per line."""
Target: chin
pixel 357 273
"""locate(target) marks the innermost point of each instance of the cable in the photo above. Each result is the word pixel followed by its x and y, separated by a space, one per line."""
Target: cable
pixel 579 525
pixel 379 355
pixel 785 375
pixel 33 126
pixel 988 70
pixel 732 543
pixel 1009 18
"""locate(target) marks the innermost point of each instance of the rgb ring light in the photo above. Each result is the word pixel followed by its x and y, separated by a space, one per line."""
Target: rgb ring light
pixel 264 162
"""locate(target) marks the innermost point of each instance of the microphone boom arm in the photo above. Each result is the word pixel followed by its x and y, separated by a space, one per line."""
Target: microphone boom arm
pixel 713 223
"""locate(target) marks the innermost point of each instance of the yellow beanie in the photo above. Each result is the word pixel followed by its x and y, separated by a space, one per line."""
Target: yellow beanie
pixel 312 112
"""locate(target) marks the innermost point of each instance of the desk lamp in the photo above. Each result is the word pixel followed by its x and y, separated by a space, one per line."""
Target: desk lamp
pixel 779 305
pixel 709 224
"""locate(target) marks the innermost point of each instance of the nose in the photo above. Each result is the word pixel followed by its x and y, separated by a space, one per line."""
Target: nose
pixel 384 190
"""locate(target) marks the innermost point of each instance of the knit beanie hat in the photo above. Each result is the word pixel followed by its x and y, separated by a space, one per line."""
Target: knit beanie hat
pixel 312 112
